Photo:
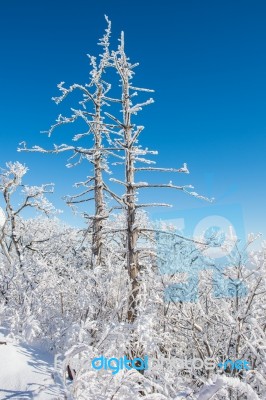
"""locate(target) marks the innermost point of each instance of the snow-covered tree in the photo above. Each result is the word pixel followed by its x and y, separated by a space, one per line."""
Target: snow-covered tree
pixel 95 142
pixel 128 141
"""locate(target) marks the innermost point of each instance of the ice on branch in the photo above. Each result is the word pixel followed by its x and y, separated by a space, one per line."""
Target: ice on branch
pixel 141 89
pixel 138 107
pixel 194 194
pixel 184 169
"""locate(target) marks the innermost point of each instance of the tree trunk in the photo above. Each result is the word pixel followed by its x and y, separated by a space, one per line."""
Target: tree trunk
pixel 97 242
pixel 132 232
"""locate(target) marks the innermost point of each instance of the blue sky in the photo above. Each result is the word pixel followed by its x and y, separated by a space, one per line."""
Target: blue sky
pixel 206 61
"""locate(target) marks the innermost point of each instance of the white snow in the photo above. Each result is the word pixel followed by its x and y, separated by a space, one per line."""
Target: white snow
pixel 26 372
pixel 2 218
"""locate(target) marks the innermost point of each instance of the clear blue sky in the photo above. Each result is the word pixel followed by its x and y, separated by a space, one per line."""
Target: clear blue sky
pixel 206 61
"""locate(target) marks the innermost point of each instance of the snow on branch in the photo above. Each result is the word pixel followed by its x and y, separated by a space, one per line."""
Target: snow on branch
pixel 114 119
pixel 118 181
pixel 154 185
pixel 57 149
pixel 182 170
pixel 11 177
pixel 138 107
pixel 198 196
pixel 35 198
pixel 141 89
pixel 154 205
pixel 67 91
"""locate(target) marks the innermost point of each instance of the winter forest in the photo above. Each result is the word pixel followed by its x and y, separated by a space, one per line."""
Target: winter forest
pixel 124 284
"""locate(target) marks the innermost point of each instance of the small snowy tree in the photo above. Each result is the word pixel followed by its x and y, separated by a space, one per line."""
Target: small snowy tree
pixel 32 197
pixel 17 277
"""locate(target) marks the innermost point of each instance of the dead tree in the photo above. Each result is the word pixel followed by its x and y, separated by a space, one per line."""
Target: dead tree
pixel 94 96
pixel 128 136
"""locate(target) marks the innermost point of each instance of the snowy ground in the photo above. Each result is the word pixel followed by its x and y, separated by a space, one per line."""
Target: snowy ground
pixel 26 372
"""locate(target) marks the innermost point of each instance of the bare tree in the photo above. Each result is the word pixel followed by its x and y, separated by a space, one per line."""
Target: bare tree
pixel 128 136
pixel 95 97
